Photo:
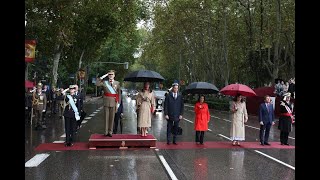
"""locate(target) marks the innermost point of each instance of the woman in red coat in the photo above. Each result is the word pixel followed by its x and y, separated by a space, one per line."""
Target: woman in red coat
pixel 202 119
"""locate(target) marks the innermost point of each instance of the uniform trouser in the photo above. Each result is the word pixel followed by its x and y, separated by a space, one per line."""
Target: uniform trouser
pixel 109 117
pixel 264 132
pixel 54 106
pixel 172 128
pixel 69 125
pixel 116 123
pixel 199 136
pixel 284 137
pixel 38 117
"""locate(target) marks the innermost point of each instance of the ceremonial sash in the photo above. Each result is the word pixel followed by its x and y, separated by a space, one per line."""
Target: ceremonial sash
pixel 112 93
pixel 289 112
pixel 110 88
pixel 74 107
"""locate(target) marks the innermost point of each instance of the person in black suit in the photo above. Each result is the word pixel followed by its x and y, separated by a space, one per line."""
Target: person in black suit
pixel 71 115
pixel 266 119
pixel 173 111
pixel 117 117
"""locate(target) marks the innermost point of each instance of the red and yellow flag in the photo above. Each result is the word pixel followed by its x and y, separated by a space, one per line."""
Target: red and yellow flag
pixel 30 47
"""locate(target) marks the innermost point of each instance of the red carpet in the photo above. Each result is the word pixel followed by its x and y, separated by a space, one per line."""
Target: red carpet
pixel 121 137
pixel 163 145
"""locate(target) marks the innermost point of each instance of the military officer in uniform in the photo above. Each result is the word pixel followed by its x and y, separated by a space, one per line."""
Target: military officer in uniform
pixel 111 99
pixel 71 115
pixel 39 102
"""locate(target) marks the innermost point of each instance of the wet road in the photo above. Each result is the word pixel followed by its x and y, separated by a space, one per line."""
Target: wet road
pixel 202 162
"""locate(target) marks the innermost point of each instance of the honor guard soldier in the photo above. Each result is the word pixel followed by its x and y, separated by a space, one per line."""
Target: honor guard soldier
pixel 60 102
pixel 39 102
pixel 111 99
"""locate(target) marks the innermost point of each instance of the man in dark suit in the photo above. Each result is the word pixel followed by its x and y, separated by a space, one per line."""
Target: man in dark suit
pixel 266 119
pixel 117 117
pixel 173 111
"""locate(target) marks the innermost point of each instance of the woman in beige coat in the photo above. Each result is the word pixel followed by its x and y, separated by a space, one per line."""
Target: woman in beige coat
pixel 239 116
pixel 146 104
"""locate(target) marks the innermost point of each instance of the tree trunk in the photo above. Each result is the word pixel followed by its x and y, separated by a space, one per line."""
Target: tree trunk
pixel 56 58
pixel 225 48
pixel 276 57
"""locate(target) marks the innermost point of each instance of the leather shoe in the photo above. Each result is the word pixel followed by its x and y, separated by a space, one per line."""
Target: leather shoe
pixel 267 144
pixel 261 144
pixel 175 143
pixel 168 143
pixel 287 144
pixel 110 135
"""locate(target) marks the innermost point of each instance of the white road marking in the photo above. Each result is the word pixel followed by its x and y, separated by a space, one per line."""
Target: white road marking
pixel 226 120
pixel 92 115
pixel 169 170
pixel 224 136
pixel 58 142
pixel 63 135
pixel 291 138
pixel 253 127
pixel 188 120
pixel 95 112
pixel 250 126
pixel 88 118
pixel 36 160
pixel 98 110
pixel 84 122
pixel 216 117
pixel 209 130
pixel 188 105
pixel 275 159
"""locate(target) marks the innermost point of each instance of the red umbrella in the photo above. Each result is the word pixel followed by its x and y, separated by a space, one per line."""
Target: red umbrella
pixel 234 89
pixel 28 84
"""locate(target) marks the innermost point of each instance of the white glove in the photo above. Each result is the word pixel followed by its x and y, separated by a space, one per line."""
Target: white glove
pixel 102 77
pixel 64 91
pixel 44 110
pixel 26 107
pixel 167 117
pixel 261 123
pixel 77 116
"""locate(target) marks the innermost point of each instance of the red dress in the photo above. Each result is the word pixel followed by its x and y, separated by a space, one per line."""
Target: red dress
pixel 202 117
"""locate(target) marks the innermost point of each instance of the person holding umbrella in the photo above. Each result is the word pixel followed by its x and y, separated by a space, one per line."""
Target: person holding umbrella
pixel 239 116
pixel 145 106
pixel 202 119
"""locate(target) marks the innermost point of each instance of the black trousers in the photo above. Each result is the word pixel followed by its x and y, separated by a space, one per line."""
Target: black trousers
pixel 199 136
pixel 284 137
pixel 264 132
pixel 116 123
pixel 70 129
pixel 172 128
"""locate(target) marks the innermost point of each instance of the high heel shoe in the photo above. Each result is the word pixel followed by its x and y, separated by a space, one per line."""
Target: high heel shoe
pixel 234 143
pixel 238 143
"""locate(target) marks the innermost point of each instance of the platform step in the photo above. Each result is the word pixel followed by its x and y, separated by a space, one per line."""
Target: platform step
pixel 122 141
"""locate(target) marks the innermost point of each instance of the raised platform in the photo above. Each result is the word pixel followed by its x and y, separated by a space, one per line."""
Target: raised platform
pixel 122 141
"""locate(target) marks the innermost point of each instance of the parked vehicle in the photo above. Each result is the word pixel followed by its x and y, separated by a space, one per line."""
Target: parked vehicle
pixel 159 98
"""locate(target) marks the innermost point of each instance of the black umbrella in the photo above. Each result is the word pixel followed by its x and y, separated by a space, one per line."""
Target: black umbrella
pixel 201 88
pixel 144 76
